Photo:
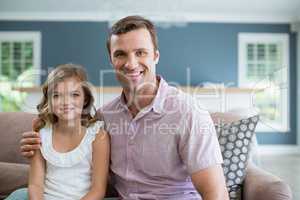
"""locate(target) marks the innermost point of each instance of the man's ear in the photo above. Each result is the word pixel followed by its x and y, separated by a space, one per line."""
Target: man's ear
pixel 110 60
pixel 156 56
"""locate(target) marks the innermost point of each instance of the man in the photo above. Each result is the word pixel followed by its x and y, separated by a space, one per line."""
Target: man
pixel 163 146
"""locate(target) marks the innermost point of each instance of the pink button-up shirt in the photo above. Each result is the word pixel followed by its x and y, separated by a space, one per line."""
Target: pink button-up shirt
pixel 154 154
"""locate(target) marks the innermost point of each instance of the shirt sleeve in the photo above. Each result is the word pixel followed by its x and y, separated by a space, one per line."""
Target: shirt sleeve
pixel 198 146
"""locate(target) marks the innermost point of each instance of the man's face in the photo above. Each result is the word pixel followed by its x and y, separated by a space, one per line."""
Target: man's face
pixel 134 59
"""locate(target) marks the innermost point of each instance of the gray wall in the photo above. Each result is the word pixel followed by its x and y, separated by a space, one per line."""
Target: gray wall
pixel 76 42
pixel 209 50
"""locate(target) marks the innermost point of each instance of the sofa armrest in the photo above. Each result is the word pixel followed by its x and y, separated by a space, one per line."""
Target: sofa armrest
pixel 261 185
pixel 12 177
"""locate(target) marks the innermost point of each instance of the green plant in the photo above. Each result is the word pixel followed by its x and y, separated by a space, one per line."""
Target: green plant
pixel 10 98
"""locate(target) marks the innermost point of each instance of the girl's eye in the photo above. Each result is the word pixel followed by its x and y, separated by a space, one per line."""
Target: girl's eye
pixel 75 95
pixel 55 96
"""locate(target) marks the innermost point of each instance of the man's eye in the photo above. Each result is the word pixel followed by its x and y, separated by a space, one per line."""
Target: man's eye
pixel 141 53
pixel 118 55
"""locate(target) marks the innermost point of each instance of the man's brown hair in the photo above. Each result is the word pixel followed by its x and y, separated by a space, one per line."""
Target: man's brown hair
pixel 131 23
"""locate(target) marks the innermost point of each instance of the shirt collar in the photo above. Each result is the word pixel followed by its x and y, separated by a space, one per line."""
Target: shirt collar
pixel 122 102
pixel 158 101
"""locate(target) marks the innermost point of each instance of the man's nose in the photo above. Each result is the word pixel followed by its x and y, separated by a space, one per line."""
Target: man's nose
pixel 132 62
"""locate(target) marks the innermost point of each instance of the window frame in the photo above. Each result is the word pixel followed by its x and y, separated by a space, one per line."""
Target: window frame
pixel 34 36
pixel 243 39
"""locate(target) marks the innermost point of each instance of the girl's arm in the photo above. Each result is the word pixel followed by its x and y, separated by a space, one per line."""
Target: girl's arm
pixel 100 167
pixel 36 177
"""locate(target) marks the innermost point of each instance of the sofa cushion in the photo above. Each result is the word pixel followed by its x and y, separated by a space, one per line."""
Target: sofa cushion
pixel 12 177
pixel 235 139
pixel 12 125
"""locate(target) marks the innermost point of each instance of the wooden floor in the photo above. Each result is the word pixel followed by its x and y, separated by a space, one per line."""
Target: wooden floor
pixel 287 167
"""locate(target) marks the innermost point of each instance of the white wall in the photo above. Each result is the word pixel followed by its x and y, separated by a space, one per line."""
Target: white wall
pixel 259 11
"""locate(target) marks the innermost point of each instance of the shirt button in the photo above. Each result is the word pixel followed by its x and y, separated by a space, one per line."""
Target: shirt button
pixel 132 125
pixel 130 142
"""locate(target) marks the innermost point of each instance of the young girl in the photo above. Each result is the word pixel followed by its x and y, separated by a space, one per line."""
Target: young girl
pixel 74 157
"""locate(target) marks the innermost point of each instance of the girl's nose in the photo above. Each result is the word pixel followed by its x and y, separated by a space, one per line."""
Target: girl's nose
pixel 66 99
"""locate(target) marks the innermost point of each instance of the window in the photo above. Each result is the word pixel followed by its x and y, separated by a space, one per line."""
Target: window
pixel 264 66
pixel 19 65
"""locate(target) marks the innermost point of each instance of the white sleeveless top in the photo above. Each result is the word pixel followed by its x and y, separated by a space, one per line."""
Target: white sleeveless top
pixel 68 175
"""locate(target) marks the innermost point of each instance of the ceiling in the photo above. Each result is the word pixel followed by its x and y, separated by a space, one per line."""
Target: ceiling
pixel 274 11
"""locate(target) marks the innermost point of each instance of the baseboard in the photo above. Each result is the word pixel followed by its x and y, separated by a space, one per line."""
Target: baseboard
pixel 278 149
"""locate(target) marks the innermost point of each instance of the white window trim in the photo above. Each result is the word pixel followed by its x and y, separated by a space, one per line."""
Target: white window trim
pixel 34 36
pixel 266 37
pixel 296 28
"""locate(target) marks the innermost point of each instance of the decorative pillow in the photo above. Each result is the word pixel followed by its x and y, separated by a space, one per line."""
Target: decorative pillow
pixel 235 139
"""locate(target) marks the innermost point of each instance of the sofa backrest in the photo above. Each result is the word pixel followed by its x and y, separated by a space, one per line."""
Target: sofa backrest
pixel 12 125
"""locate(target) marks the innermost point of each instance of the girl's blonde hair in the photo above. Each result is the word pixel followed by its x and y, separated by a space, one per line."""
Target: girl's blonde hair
pixel 59 74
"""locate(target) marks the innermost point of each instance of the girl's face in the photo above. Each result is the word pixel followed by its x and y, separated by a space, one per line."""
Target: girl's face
pixel 67 99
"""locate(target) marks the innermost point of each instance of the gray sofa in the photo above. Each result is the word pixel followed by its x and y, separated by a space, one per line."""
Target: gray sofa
pixel 258 184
